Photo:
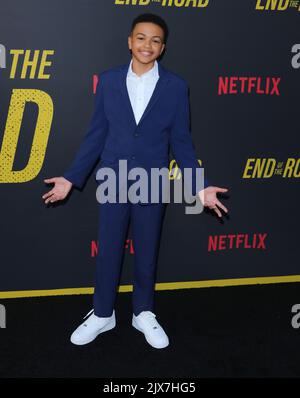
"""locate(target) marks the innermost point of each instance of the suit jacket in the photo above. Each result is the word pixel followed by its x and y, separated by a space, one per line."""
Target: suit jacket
pixel 113 133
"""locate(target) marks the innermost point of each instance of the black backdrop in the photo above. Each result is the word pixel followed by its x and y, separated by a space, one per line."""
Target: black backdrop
pixel 44 248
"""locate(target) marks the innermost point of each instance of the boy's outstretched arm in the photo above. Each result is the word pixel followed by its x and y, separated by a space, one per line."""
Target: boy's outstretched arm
pixel 185 155
pixel 87 155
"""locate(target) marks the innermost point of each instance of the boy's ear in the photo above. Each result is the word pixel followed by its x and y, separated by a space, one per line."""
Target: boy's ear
pixel 129 42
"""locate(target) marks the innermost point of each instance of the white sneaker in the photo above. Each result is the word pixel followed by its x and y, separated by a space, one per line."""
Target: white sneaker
pixel 146 323
pixel 91 328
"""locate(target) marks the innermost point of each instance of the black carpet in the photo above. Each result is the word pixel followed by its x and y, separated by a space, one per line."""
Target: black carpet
pixel 215 332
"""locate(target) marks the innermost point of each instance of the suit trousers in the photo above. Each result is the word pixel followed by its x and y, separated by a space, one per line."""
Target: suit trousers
pixel 146 224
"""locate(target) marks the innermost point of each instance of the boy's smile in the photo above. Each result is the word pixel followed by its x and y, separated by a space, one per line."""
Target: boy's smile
pixel 146 43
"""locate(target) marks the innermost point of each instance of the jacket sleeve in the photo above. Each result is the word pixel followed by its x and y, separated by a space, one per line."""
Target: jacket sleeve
pixel 181 141
pixel 92 144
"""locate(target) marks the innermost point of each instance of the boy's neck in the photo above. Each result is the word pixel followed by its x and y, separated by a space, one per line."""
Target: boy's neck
pixel 139 68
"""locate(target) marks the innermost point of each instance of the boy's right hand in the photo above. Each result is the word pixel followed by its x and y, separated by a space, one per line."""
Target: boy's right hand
pixel 60 190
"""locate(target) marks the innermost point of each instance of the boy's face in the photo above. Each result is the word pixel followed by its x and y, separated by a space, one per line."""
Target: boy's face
pixel 146 42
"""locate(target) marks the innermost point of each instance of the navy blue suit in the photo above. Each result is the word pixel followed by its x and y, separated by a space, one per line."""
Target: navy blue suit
pixel 112 135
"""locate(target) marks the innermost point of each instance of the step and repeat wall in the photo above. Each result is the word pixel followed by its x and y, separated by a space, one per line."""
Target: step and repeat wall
pixel 241 60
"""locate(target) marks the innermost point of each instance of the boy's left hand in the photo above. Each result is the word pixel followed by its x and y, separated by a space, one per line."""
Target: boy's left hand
pixel 208 197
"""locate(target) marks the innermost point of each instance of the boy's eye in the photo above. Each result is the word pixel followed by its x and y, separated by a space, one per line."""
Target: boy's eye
pixel 155 41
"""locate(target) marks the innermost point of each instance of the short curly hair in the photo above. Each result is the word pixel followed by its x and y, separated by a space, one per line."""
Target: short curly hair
pixel 153 18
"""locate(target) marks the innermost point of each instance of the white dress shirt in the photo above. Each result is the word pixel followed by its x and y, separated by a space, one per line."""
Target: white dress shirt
pixel 140 89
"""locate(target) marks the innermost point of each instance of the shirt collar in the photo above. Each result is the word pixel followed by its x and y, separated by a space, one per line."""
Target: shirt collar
pixel 151 74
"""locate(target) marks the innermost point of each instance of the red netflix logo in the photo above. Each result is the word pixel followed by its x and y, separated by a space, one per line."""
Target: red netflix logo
pixel 95 82
pixel 237 241
pixel 95 247
pixel 248 85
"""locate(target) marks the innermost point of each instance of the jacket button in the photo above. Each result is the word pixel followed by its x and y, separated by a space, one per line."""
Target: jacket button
pixel 137 134
pixel 132 157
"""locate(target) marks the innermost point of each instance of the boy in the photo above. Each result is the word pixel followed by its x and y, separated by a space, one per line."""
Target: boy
pixel 140 109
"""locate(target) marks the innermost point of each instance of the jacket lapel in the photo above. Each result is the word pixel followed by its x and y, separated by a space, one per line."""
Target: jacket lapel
pixel 160 86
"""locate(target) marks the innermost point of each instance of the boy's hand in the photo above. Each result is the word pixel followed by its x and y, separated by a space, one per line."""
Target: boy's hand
pixel 208 197
pixel 60 190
